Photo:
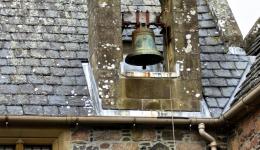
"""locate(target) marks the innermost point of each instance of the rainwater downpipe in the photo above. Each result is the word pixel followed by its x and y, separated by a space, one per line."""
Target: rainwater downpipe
pixel 207 136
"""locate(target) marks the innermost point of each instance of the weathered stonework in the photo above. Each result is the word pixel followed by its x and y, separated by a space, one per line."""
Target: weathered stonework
pixel 247 134
pixel 136 138
pixel 180 16
pixel 227 24
pixel 120 92
pixel 105 45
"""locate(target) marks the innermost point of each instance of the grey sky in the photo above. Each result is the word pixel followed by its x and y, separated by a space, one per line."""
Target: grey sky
pixel 246 13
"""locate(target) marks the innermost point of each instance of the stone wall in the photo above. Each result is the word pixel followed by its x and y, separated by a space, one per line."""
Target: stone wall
pixel 247 134
pixel 226 21
pixel 136 138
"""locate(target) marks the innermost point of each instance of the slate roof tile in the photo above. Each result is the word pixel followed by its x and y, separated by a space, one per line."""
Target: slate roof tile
pixel 253 77
pixel 19 99
pixel 215 112
pixel 3 110
pixel 212 92
pixel 222 102
pixel 32 110
pixel 212 102
pixel 68 111
pixel 220 71
pixel 218 82
pixel 50 110
pixel 14 110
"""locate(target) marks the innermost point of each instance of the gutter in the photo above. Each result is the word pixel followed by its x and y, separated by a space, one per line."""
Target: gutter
pixel 252 100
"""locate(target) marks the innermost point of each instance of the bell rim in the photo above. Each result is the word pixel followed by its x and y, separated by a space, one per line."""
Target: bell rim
pixel 157 58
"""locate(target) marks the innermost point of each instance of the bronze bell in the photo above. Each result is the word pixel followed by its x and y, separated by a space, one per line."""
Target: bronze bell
pixel 144 49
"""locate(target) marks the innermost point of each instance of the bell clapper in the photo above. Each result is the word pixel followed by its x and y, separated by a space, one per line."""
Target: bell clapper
pixel 144 67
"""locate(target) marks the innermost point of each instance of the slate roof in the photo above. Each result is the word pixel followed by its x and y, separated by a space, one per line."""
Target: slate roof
pixel 253 77
pixel 42 44
pixel 221 72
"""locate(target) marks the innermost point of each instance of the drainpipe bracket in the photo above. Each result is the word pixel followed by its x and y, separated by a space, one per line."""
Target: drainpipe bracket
pixel 213 144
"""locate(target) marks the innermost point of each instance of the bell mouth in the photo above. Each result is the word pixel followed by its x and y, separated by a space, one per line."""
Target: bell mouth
pixel 143 59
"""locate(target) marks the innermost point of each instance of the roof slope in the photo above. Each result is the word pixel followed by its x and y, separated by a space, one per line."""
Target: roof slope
pixel 221 72
pixel 42 45
pixel 253 48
